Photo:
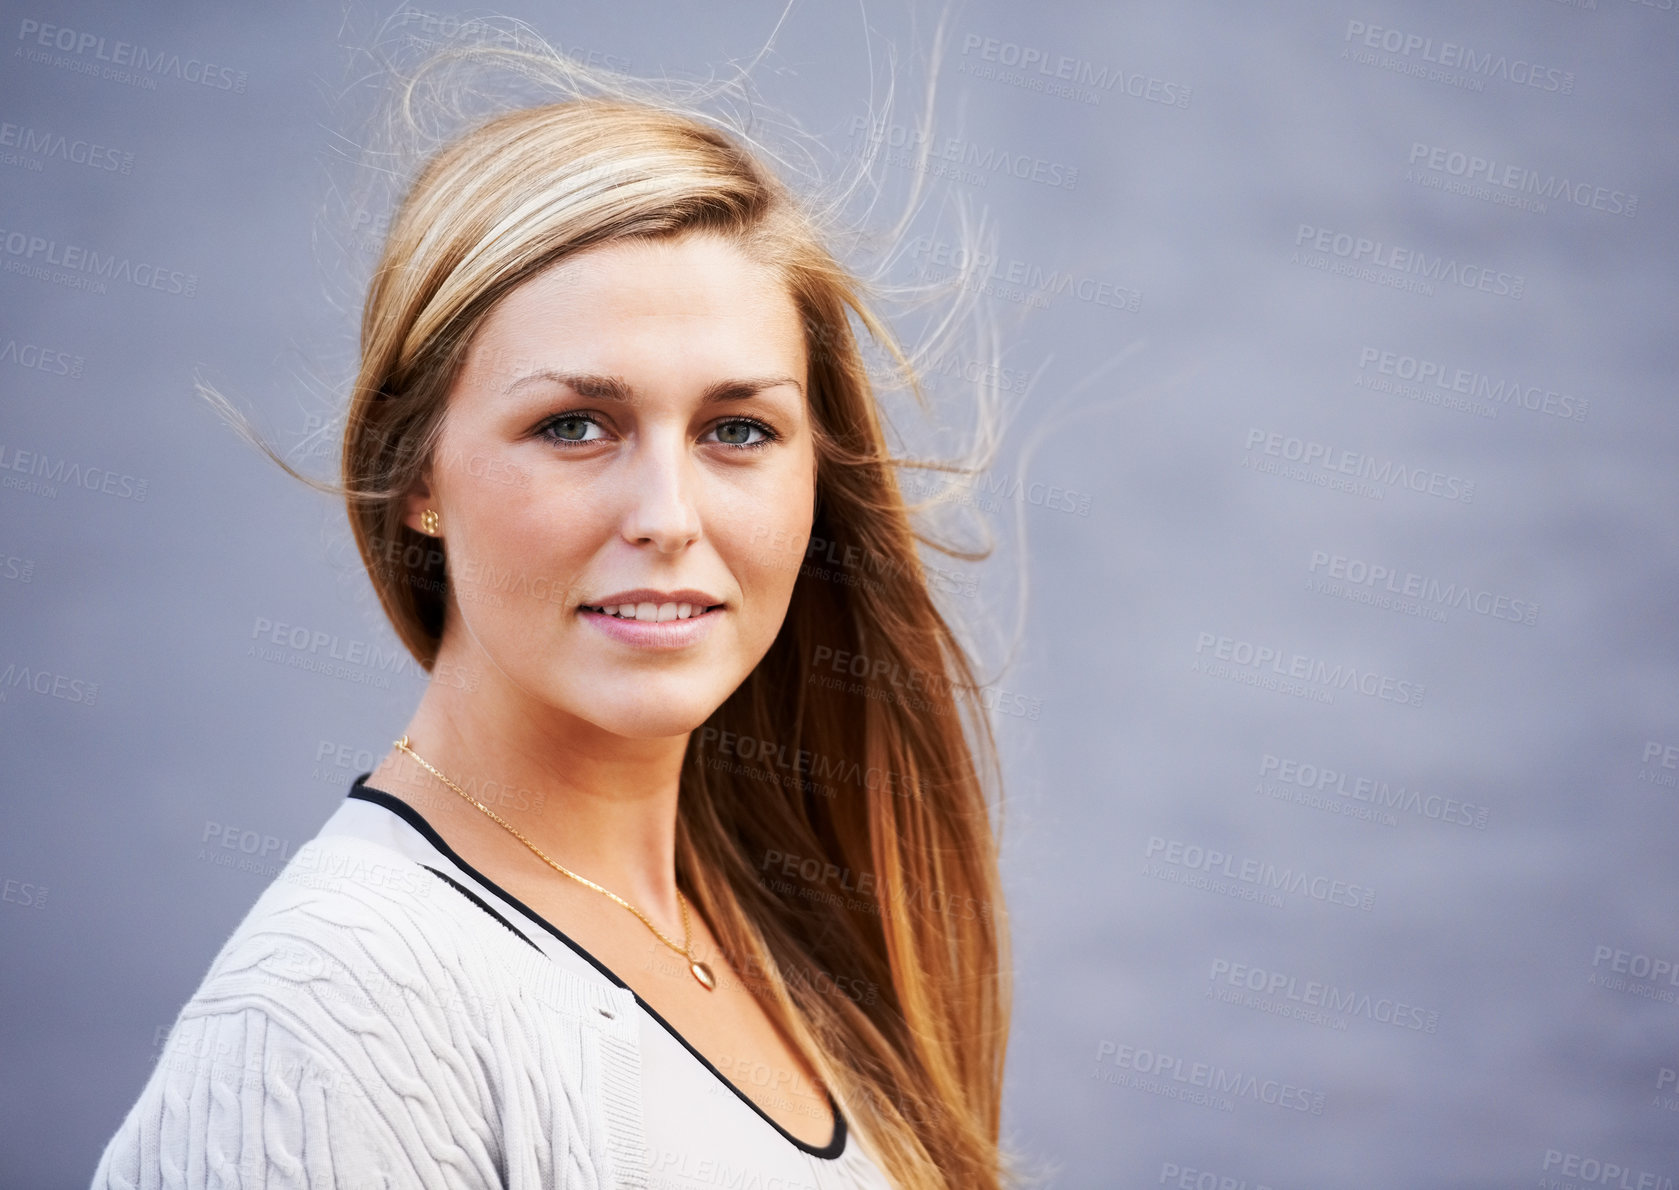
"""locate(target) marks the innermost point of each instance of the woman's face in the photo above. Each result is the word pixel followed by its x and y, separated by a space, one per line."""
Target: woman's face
pixel 628 437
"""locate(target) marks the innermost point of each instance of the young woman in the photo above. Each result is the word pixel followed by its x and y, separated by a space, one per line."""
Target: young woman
pixel 682 873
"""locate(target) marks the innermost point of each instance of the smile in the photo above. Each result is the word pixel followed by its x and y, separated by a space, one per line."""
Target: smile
pixel 652 613
pixel 661 627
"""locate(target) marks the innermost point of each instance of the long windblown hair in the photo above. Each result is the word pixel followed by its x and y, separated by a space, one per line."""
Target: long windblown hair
pixel 862 900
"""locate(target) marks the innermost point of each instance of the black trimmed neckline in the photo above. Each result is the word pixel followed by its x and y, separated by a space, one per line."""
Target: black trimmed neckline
pixel 360 790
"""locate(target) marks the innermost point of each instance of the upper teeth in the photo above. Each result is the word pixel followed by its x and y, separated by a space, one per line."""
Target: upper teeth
pixel 652 612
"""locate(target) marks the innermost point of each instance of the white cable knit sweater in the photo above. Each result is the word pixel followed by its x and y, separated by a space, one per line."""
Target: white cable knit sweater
pixel 367 1027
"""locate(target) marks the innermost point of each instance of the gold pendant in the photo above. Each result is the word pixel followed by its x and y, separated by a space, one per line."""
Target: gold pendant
pixel 701 972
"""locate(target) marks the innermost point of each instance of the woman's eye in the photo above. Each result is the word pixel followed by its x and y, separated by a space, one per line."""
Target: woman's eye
pixel 739 433
pixel 572 428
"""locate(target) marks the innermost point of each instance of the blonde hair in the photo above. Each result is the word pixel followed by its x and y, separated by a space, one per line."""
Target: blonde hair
pixel 917 1062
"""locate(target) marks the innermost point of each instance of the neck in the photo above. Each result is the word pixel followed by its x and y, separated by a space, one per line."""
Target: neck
pixel 601 804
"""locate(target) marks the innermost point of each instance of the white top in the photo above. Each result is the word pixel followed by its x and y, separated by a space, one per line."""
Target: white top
pixel 386 1016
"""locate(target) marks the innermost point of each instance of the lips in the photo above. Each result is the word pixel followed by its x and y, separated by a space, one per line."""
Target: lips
pixel 649 606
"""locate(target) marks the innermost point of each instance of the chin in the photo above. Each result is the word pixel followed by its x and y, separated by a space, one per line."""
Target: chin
pixel 649 723
pixel 652 710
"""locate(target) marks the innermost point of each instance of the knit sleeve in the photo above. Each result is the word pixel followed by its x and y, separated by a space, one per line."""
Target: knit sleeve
pixel 238 1100
pixel 338 1041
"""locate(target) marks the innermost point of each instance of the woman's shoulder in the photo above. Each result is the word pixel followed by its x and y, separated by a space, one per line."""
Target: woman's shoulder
pixel 348 967
pixel 357 948
pixel 354 900
pixel 367 1018
pixel 352 927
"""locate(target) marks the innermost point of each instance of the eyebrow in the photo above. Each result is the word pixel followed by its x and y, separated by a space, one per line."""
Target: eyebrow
pixel 613 388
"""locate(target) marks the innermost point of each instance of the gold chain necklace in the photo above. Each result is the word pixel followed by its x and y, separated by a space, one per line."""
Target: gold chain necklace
pixel 697 969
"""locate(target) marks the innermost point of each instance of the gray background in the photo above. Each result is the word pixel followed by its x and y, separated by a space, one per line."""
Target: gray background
pixel 1545 1065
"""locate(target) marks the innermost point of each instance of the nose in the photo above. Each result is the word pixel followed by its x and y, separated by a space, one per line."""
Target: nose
pixel 659 508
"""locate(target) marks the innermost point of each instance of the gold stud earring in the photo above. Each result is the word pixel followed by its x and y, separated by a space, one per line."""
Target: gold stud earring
pixel 428 521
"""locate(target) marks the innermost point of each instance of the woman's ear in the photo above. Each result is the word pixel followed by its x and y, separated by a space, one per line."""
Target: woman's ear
pixel 417 501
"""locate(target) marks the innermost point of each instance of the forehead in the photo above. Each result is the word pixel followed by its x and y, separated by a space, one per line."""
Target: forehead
pixel 697 295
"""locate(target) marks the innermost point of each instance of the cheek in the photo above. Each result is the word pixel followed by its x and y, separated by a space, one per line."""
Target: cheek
pixel 514 539
pixel 765 537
